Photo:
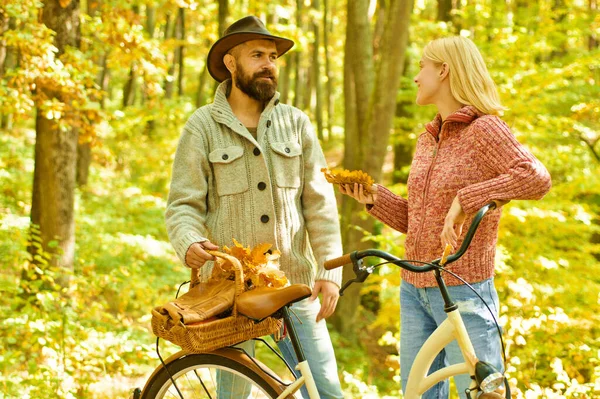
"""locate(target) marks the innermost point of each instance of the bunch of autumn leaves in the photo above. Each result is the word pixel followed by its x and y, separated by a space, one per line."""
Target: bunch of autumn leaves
pixel 345 176
pixel 259 265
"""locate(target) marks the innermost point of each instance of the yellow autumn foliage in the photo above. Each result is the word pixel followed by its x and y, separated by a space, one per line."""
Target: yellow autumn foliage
pixel 345 176
pixel 260 266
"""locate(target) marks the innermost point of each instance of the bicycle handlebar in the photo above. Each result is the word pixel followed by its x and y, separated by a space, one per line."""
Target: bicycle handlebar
pixel 357 255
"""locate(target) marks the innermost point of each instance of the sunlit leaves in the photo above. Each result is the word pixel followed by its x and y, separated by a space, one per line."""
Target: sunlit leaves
pixel 344 176
pixel 259 264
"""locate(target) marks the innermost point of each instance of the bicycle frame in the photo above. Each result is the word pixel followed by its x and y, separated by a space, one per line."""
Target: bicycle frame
pixel 418 382
pixel 453 328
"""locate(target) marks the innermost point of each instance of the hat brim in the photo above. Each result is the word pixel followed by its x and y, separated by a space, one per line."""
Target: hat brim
pixel 214 62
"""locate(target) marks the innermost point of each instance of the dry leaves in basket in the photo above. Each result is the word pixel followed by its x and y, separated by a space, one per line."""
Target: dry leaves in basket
pixel 260 267
pixel 344 176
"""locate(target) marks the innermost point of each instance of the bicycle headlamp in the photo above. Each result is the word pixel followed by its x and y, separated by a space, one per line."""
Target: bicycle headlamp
pixel 488 378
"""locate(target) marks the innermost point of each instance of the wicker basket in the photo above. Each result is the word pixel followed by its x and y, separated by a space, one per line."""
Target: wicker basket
pixel 211 335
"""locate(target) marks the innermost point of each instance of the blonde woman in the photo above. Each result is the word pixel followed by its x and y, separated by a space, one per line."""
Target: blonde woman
pixel 466 158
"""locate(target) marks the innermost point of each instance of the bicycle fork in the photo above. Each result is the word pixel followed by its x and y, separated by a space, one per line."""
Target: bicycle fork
pixel 452 328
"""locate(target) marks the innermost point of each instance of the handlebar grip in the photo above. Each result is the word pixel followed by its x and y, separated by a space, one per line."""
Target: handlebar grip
pixel 447 250
pixel 337 262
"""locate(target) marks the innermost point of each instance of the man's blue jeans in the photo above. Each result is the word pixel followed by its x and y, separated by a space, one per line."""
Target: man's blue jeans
pixel 422 310
pixel 317 347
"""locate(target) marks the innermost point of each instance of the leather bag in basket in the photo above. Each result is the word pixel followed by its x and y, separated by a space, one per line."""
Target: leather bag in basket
pixel 192 321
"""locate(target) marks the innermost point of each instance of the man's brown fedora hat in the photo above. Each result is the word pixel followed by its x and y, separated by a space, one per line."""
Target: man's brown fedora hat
pixel 248 28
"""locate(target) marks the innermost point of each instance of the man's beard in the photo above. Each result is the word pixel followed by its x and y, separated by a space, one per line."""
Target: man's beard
pixel 254 87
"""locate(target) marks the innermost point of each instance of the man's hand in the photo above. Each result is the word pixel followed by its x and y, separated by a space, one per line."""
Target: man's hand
pixel 453 224
pixel 330 294
pixel 196 255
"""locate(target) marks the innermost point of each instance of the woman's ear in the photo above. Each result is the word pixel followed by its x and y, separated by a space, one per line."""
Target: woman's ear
pixel 229 61
pixel 444 71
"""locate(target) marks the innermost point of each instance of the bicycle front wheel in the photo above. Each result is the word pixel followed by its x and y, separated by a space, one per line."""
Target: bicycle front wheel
pixel 208 376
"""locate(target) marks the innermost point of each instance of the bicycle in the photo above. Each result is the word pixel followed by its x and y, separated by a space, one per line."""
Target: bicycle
pixel 186 375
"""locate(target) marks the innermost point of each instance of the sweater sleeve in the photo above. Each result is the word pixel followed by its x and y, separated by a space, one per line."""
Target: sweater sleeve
pixel 186 205
pixel 391 209
pixel 519 174
pixel 319 207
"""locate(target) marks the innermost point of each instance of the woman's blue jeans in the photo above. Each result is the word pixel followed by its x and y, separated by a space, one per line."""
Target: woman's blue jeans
pixel 422 310
pixel 317 348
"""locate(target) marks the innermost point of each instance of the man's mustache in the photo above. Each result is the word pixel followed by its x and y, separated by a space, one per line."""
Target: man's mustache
pixel 266 74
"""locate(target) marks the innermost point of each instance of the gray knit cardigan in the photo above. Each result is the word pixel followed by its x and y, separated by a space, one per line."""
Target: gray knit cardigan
pixel 226 184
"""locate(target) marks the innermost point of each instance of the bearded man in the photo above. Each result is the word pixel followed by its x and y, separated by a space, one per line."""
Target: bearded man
pixel 248 167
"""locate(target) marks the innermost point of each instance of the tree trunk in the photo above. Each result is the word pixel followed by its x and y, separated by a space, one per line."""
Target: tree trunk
pixel 379 16
pixel 84 149
pixel 444 8
pixel 559 13
pixel 223 23
pixel 316 74
pixel 299 80
pixel 130 87
pixel 8 61
pixel 372 105
pixel 129 90
pixel 200 94
pixel 284 79
pixel 180 34
pixel 593 38
pixel 223 16
pixel 84 159
pixel 103 79
pixel 403 147
pixel 52 210
pixel 3 48
pixel 327 28
pixel 150 19
pixel 171 71
pixel 457 20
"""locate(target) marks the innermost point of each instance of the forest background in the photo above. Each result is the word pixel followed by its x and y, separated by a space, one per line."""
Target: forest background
pixel 94 95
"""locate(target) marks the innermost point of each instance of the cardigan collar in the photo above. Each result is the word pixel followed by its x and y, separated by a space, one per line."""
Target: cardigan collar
pixel 464 115
pixel 222 112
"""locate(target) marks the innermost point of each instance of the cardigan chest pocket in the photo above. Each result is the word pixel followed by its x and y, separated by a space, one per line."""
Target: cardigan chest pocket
pixel 230 170
pixel 286 164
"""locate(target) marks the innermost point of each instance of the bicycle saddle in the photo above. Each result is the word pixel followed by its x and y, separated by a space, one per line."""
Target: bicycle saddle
pixel 263 302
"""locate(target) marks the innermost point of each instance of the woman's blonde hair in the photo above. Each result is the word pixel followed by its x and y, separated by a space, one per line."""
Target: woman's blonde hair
pixel 470 81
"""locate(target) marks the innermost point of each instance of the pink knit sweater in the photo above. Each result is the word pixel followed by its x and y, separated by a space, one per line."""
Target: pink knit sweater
pixel 475 157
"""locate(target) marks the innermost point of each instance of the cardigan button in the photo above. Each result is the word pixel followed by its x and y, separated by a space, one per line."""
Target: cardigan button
pixel 225 157
pixel 264 219
pixel 256 151
pixel 276 102
pixel 287 150
pixel 269 123
pixel 262 185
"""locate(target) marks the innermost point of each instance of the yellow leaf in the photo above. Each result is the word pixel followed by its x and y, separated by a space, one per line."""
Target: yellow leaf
pixel 261 269
pixel 344 176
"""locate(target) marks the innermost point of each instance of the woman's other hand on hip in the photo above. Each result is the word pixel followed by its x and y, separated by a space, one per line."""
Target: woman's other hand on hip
pixel 453 224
